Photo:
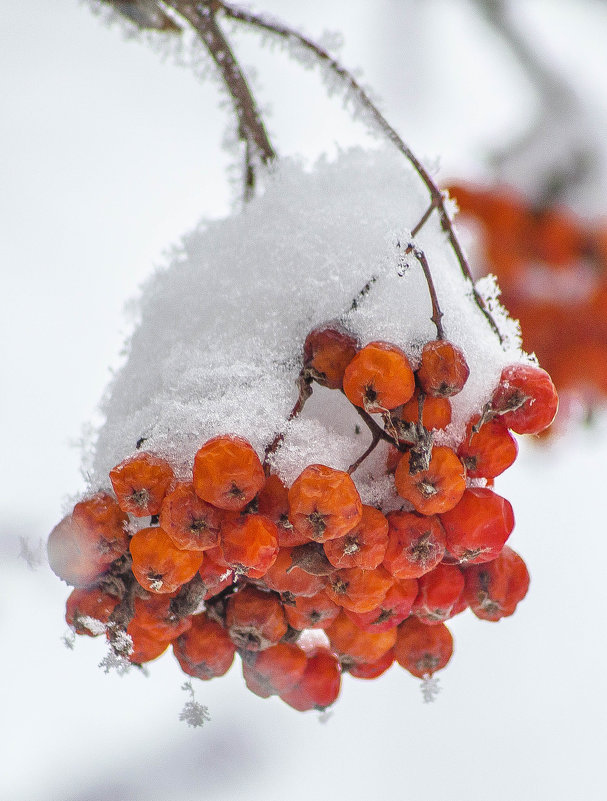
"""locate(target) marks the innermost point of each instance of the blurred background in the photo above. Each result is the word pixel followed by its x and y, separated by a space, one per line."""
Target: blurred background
pixel 111 150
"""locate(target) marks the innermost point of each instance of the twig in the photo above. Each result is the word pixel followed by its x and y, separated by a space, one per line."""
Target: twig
pixel 251 129
pixel 305 390
pixel 438 202
pixel 437 314
pixel 374 442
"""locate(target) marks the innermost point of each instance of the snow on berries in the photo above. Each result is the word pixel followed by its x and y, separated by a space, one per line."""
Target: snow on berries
pixel 304 437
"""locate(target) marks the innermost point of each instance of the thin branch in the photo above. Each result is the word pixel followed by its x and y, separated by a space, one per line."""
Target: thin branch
pixel 251 130
pixel 377 117
pixel 374 442
pixel 437 314
pixel 305 390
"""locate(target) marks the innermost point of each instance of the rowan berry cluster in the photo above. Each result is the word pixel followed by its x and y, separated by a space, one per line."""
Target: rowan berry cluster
pixel 552 270
pixel 233 561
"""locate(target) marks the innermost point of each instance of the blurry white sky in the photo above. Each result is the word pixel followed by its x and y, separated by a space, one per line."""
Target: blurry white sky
pixel 107 155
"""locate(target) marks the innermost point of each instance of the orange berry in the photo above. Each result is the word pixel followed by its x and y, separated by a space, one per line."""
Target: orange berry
pixel 227 472
pixel 145 646
pixel 359 590
pixel 215 575
pixel 416 544
pixel 284 577
pixel 328 350
pixel 158 565
pixel 486 453
pixel 364 546
pixel 72 554
pixel 192 524
pixel 422 649
pixel 205 650
pixel 372 670
pixel 436 411
pixel 324 503
pixel 319 686
pixel 477 528
pixel 443 370
pixel 439 592
pixel 525 399
pixel 494 589
pixel 273 502
pixel 351 642
pixel 314 612
pixel 379 377
pixel 255 619
pixel 153 617
pixel 105 525
pixel 249 544
pixel 395 608
pixel 88 604
pixel 436 489
pixel 276 670
pixel 141 482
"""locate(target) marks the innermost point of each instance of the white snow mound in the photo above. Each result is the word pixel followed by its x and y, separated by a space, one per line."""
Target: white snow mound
pixel 219 341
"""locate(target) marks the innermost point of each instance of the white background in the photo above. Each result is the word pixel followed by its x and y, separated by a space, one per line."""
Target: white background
pixel 108 155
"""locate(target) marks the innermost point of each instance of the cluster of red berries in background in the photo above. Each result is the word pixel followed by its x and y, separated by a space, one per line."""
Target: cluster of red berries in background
pixel 233 561
pixel 552 270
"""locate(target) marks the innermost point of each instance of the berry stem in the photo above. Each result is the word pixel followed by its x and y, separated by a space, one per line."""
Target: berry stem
pixel 370 449
pixel 305 390
pixel 251 129
pixel 437 314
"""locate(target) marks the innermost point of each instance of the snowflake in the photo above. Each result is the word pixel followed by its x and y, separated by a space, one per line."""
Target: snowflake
pixel 193 713
pixel 430 688
pixel 114 661
pixel 69 639
pixel 32 555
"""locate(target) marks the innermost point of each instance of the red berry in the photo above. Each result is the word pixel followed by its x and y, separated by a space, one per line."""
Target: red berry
pixel 436 489
pixel 478 526
pixel 206 650
pixel 494 589
pixel 439 593
pixel 192 524
pixel 379 377
pixel 141 482
pixel 416 544
pixel 158 565
pixel 443 370
pixel 249 544
pixel 227 472
pixel 364 546
pixel 525 399
pixel 486 453
pixel 422 649
pixel 255 619
pixel 324 503
pixel 328 350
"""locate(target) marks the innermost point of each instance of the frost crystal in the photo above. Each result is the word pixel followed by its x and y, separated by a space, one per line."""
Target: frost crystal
pixel 430 688
pixel 32 555
pixel 193 713
pixel 121 645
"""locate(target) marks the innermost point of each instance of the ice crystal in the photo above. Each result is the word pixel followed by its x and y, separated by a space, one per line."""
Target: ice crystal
pixel 193 713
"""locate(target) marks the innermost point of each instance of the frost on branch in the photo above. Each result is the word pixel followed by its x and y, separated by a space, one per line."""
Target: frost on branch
pixel 218 346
